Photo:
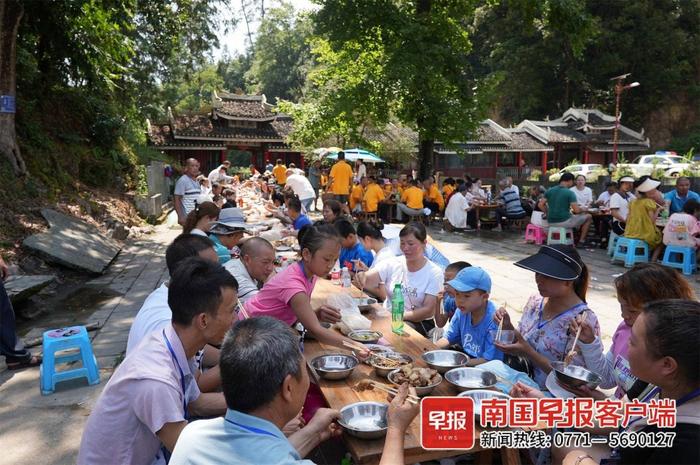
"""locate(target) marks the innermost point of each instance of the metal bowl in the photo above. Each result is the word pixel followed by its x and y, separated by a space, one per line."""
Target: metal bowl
pixel 364 303
pixel 364 420
pixel 365 336
pixel 445 360
pixel 308 335
pixel 575 377
pixel 507 336
pixel 384 371
pixel 334 366
pixel 478 395
pixel 470 378
pixel 420 390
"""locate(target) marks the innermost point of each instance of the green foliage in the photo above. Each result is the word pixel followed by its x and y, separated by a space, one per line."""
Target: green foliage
pixel 534 175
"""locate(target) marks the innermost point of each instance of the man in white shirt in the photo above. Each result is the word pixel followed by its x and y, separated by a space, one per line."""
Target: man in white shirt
pixel 256 265
pixel 220 174
pixel 301 186
pixel 619 204
pixel 187 190
pixel 603 200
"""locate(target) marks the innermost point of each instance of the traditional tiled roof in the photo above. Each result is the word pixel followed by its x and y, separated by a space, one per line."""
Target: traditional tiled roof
pixel 490 131
pixel 621 147
pixel 247 107
pixel 523 142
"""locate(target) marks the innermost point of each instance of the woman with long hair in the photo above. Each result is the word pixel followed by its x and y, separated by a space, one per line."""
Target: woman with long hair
pixel 543 332
pixel 199 220
pixel 370 235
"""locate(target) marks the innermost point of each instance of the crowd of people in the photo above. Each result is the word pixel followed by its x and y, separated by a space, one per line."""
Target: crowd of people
pixel 214 371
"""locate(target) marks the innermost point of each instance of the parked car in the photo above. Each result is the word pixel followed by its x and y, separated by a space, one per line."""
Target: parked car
pixel 585 169
pixel 669 162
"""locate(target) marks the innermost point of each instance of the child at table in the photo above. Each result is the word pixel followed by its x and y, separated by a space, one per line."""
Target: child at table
pixel 299 220
pixel 446 304
pixel 683 227
pixel 287 296
pixel 470 326
pixel 351 248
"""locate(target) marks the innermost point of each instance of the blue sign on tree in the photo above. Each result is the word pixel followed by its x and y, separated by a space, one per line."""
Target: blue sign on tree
pixel 7 103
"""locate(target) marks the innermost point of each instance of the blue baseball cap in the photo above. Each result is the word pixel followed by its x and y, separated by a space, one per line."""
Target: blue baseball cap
pixel 471 278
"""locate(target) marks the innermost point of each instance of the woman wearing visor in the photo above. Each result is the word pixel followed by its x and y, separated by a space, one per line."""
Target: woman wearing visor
pixel 543 334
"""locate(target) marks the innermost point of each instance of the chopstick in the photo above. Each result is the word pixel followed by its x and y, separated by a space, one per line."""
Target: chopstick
pixel 572 352
pixel 360 347
pixel 501 379
pixel 383 387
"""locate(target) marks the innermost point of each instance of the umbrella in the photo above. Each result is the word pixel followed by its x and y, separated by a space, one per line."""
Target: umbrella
pixel 356 154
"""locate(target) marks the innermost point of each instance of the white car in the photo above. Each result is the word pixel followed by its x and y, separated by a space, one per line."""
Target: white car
pixel 669 162
pixel 584 169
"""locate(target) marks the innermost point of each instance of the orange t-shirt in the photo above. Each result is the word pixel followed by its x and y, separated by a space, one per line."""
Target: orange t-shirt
pixel 447 190
pixel 413 197
pixel 434 195
pixel 373 195
pixel 280 174
pixel 341 173
pixel 356 197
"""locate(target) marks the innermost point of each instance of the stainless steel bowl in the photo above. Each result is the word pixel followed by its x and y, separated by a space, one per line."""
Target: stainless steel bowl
pixel 365 336
pixel 445 360
pixel 307 335
pixel 575 377
pixel 470 378
pixel 364 303
pixel 384 371
pixel 334 366
pixel 420 390
pixel 507 336
pixel 364 420
pixel 478 395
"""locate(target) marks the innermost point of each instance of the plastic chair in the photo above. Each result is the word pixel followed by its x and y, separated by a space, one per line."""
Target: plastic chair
pixel 612 240
pixel 627 249
pixel 680 257
pixel 535 234
pixel 56 344
pixel 557 235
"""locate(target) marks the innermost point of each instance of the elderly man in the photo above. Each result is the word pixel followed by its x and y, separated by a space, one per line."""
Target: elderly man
pixel 187 190
pixel 220 174
pixel 301 186
pixel 255 266
pixel 265 383
pixel 558 204
pixel 680 195
pixel 146 403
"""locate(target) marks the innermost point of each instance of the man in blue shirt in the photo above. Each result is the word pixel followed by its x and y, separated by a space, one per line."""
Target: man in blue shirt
pixel 680 195
pixel 351 248
pixel 294 211
pixel 265 382
pixel 470 326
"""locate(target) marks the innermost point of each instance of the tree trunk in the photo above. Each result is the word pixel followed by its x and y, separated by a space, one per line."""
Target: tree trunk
pixel 425 158
pixel 10 16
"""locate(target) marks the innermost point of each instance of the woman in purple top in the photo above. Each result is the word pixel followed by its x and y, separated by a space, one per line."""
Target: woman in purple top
pixel 644 283
pixel 543 334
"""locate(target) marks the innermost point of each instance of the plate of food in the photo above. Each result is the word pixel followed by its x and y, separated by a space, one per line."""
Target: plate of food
pixel 387 362
pixel 423 379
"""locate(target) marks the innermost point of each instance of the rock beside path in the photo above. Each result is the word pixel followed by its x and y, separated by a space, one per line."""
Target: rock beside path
pixel 20 288
pixel 73 243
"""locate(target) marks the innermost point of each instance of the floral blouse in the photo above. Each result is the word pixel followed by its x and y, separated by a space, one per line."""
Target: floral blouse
pixel 549 337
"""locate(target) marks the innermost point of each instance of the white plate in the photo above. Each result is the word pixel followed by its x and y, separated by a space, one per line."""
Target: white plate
pixel 283 248
pixel 554 388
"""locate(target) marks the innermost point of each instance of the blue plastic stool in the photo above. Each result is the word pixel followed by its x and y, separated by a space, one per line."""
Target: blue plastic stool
pixel 627 250
pixel 557 235
pixel 61 340
pixel 687 262
pixel 612 240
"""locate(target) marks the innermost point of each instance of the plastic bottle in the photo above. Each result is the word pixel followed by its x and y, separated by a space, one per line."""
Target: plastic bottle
pixel 397 310
pixel 488 197
pixel 345 277
pixel 335 272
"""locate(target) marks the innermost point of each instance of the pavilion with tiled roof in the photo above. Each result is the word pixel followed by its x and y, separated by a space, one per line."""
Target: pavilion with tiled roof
pixel 243 128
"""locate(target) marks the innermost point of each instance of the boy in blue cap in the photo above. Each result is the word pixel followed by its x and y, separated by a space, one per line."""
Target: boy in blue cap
pixel 470 326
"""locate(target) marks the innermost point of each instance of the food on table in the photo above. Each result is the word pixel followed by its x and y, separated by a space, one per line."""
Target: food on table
pixel 385 362
pixel 416 377
pixel 364 385
pixel 364 337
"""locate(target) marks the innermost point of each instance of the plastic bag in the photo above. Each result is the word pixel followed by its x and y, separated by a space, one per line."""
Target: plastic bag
pixel 350 317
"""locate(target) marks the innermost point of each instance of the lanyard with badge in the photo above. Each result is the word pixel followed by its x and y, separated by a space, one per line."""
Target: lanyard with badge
pixel 251 429
pixel 182 375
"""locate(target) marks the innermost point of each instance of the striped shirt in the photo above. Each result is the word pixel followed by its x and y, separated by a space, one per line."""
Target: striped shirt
pixel 511 197
pixel 190 190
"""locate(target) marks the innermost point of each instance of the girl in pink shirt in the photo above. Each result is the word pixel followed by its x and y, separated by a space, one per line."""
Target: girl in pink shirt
pixel 644 283
pixel 683 226
pixel 287 296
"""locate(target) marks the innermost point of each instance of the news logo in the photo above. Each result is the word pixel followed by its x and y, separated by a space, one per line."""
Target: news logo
pixel 447 423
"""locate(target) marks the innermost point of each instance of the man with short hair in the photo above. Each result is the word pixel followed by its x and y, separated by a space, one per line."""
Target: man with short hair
pixel 619 205
pixel 280 173
pixel 301 186
pixel 432 197
pixel 558 204
pixel 265 382
pixel 253 268
pixel 315 180
pixel 512 207
pixel 146 403
pixel 187 190
pixel 677 198
pixel 220 174
pixel 340 179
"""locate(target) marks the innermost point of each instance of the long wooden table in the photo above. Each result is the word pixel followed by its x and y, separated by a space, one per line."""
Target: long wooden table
pixel 338 394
